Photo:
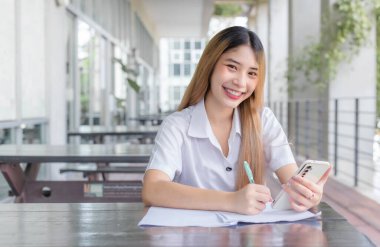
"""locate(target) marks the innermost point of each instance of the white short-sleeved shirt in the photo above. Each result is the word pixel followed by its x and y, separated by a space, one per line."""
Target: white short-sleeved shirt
pixel 187 150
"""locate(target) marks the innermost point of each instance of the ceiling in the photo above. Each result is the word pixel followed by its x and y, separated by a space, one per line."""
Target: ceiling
pixel 179 18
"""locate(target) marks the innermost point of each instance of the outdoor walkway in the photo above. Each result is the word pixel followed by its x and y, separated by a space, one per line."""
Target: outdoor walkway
pixel 359 210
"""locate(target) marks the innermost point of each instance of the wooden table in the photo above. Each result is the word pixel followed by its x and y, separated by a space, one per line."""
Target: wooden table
pixel 25 187
pixel 115 224
pixel 97 133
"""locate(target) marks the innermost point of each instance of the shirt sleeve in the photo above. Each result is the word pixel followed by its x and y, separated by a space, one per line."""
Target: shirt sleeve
pixel 166 154
pixel 276 146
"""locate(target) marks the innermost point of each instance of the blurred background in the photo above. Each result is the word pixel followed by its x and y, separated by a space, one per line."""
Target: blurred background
pixel 67 65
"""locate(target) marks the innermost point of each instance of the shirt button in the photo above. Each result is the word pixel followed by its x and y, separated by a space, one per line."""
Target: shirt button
pixel 228 169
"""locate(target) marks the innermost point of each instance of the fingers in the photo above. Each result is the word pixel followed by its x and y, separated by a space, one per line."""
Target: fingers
pixel 304 186
pixel 253 206
pixel 254 198
pixel 260 188
pixel 303 194
pixel 298 207
pixel 297 198
pixel 264 198
pixel 302 205
pixel 257 189
pixel 260 206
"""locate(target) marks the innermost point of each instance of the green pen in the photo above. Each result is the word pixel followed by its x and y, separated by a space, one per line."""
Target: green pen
pixel 249 172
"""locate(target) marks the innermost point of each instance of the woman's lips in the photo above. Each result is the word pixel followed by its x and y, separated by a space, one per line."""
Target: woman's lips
pixel 233 94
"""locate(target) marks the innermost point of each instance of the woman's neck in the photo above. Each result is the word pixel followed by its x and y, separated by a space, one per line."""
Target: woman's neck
pixel 218 114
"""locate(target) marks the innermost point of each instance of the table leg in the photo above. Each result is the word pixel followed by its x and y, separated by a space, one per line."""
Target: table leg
pixel 15 177
pixel 31 171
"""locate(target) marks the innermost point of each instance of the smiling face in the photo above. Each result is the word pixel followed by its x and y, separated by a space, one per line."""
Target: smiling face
pixel 234 78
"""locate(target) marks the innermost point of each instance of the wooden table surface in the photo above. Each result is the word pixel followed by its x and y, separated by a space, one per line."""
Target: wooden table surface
pixel 155 119
pixel 115 224
pixel 97 134
pixel 41 153
pixel 118 130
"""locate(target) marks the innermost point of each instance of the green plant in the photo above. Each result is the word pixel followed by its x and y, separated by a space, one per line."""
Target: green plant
pixel 342 36
pixel 131 75
pixel 227 9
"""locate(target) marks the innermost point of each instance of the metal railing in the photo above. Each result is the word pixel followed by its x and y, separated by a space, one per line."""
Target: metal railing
pixel 339 130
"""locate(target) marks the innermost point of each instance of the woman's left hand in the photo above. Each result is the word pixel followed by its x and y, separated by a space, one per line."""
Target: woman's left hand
pixel 303 193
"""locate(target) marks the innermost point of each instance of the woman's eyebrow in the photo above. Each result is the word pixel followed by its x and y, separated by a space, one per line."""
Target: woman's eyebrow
pixel 234 61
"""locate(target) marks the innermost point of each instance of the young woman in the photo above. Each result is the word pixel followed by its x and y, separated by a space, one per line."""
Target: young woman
pixel 197 161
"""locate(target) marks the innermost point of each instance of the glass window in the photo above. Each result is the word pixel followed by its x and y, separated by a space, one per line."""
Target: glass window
pixel 176 45
pixel 187 69
pixel 92 76
pixel 196 56
pixel 144 41
pixel 97 87
pixel 198 45
pixel 187 56
pixel 176 56
pixel 32 134
pixel 143 107
pixel 71 97
pixel 193 67
pixel 84 40
pixel 176 69
pixel 176 93
pixel 6 136
pixel 187 45
pixel 119 89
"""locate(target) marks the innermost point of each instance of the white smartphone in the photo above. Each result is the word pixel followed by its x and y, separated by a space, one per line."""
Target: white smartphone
pixel 312 170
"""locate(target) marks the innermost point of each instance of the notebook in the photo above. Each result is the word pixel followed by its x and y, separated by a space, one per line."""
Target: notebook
pixel 158 216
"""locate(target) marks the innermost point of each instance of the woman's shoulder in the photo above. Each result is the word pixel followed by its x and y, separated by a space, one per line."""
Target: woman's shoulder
pixel 269 121
pixel 179 119
pixel 266 114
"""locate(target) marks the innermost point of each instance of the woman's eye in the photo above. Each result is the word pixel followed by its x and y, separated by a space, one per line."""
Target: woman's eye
pixel 252 74
pixel 231 66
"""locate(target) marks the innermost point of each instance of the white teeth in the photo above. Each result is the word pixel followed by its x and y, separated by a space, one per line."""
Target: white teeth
pixel 233 92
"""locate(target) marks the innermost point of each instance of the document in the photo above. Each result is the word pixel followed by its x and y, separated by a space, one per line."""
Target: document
pixel 157 216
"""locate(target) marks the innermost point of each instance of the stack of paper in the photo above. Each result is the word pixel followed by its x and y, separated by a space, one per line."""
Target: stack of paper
pixel 157 216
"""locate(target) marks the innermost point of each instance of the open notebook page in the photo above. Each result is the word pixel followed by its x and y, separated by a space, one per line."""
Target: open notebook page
pixel 157 216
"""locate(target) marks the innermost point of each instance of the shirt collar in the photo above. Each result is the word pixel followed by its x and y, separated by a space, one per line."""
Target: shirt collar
pixel 236 126
pixel 200 126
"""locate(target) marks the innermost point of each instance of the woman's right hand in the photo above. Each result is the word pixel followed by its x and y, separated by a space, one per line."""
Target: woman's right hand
pixel 251 199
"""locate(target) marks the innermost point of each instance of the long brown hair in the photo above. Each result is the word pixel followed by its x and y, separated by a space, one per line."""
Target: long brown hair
pixel 251 148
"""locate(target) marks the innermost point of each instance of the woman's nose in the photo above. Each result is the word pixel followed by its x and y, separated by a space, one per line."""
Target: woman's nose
pixel 239 81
